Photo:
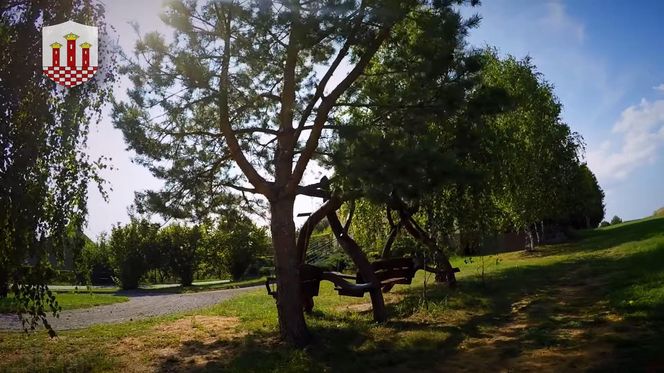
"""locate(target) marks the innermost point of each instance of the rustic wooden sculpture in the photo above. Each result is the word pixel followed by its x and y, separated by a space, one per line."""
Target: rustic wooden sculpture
pixel 372 277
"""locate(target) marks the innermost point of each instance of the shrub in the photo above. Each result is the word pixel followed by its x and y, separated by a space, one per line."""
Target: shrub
pixel 259 263
pixel 127 246
pixel 93 264
pixel 616 220
pixel 604 224
pixel 234 244
pixel 266 271
pixel 180 245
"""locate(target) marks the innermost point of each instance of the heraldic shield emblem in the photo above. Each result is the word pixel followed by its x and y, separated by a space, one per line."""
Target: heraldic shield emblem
pixel 69 53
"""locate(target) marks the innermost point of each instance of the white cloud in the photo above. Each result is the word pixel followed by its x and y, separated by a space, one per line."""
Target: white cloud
pixel 659 88
pixel 642 129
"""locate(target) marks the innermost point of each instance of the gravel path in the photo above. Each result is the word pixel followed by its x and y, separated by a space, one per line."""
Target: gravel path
pixel 140 305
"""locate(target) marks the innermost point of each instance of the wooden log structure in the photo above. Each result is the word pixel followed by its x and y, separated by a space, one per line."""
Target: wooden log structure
pixel 372 277
pixel 389 272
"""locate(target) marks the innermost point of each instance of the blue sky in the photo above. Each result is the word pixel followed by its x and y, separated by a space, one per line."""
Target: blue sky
pixel 605 59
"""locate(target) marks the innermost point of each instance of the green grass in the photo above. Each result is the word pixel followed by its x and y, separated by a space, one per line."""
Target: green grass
pixel 69 300
pixel 86 298
pixel 595 304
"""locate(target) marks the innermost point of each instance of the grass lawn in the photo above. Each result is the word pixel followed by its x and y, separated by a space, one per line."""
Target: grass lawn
pixel 206 286
pixel 83 298
pixel 595 304
pixel 70 300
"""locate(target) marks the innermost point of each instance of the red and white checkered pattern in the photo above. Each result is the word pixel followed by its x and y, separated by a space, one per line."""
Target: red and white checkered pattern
pixel 70 76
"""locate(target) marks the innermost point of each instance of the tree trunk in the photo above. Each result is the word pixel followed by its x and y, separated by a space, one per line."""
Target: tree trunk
pixel 529 239
pixel 363 266
pixel 292 326
pixel 4 284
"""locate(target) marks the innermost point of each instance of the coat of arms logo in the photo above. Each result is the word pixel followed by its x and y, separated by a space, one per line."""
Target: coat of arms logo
pixel 78 63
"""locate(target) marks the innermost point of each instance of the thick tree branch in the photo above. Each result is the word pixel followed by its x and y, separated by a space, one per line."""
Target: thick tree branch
pixel 320 88
pixel 363 265
pixel 390 240
pixel 286 139
pixel 313 191
pixel 327 104
pixel 349 218
pixel 224 115
pixel 310 224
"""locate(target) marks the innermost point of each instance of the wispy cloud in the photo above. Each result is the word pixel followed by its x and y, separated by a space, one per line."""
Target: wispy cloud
pixel 642 129
pixel 659 88
pixel 558 20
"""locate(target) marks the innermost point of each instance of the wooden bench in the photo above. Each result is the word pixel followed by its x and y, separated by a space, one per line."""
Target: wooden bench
pixel 392 271
pixel 310 277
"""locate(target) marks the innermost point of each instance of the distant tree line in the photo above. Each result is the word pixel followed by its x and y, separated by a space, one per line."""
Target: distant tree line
pixel 506 162
pixel 141 251
pixel 615 220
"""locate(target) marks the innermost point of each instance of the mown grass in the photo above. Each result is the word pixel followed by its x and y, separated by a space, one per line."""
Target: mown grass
pixel 596 304
pixel 68 300
pixel 86 298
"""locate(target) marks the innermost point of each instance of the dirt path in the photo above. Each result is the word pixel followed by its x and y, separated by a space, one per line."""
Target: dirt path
pixel 140 305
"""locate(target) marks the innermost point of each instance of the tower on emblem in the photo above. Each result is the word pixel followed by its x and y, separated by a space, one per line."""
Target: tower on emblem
pixel 79 63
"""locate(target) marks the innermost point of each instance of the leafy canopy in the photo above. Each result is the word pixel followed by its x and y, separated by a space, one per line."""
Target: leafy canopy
pixel 44 170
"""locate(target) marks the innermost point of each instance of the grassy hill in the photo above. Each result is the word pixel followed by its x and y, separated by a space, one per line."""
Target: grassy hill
pixel 659 212
pixel 594 304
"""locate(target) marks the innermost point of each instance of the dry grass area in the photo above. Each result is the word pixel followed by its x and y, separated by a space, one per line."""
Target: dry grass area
pixel 190 343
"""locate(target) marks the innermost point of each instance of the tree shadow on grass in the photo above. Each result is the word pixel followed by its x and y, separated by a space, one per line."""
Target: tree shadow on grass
pixel 577 314
pixel 571 315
